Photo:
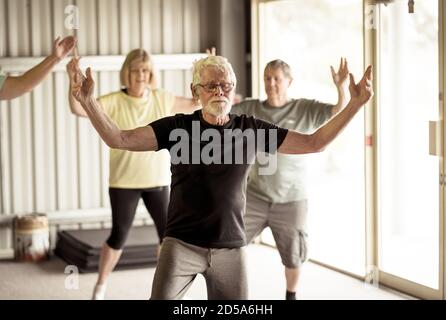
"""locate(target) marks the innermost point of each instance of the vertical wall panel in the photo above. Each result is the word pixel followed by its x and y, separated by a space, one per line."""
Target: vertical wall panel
pixel 43 147
pixel 6 158
pixel 172 26
pixel 146 30
pixel 21 168
pixel 108 27
pixel 65 148
pixel 5 203
pixel 18 28
pixel 66 152
pixel 3 23
pixel 191 42
pixel 41 35
pixel 42 110
pixel 130 25
pixel 88 141
pixel 173 41
pixel 5 176
pixel 5 182
pixel 152 12
pixel 87 33
pixel 3 42
pixel 191 24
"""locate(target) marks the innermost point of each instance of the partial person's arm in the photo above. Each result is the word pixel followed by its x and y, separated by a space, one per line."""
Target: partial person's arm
pixel 340 80
pixel 185 105
pixel 211 52
pixel 139 139
pixel 17 86
pixel 75 107
pixel 297 143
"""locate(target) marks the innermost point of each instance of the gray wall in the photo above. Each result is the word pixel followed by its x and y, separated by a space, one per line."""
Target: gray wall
pixel 51 160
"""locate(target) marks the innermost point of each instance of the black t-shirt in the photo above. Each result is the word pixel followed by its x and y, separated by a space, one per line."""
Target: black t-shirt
pixel 210 165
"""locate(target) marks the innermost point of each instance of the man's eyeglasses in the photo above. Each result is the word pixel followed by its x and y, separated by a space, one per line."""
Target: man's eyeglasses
pixel 212 87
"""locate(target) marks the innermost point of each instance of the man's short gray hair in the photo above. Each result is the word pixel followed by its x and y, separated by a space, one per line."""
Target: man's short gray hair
pixel 218 62
pixel 280 64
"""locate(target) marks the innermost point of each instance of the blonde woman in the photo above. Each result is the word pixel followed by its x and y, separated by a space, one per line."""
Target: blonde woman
pixel 134 175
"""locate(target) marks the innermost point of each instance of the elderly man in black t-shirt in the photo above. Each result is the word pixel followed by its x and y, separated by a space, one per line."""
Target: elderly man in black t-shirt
pixel 211 152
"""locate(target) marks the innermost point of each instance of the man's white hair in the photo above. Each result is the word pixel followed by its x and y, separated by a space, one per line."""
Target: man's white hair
pixel 218 62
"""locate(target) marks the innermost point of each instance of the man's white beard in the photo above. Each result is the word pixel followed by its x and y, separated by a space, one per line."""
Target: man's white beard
pixel 215 108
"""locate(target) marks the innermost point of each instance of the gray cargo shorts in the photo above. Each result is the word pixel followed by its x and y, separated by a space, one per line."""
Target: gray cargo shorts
pixel 288 223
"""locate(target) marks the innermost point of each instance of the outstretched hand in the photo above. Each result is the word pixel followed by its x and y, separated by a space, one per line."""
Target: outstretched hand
pixel 61 48
pixel 340 78
pixel 82 87
pixel 211 52
pixel 361 92
pixel 73 68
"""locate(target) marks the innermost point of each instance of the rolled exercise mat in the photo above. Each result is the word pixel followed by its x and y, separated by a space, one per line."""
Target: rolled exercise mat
pixel 83 247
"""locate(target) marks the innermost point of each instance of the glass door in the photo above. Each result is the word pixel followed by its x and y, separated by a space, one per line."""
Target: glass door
pixel 311 36
pixel 408 175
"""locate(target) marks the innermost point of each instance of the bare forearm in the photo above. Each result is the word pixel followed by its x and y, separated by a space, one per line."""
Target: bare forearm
pixel 75 107
pixel 327 133
pixel 34 76
pixel 342 101
pixel 298 143
pixel 106 128
pixel 185 105
pixel 16 86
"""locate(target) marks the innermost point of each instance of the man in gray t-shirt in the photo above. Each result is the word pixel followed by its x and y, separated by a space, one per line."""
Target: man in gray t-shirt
pixel 279 200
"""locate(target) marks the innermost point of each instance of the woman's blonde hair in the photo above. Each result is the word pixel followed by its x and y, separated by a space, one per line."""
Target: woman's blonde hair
pixel 137 54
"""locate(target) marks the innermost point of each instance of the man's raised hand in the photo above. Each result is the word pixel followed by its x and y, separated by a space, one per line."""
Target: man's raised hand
pixel 362 92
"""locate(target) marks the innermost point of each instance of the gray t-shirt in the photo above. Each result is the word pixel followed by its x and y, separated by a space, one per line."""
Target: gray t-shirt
pixel 288 183
pixel 2 79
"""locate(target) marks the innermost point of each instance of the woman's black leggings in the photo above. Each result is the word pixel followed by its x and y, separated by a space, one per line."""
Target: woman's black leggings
pixel 123 204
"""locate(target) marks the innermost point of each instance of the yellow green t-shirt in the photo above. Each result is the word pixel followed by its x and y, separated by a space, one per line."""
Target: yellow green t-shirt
pixel 138 170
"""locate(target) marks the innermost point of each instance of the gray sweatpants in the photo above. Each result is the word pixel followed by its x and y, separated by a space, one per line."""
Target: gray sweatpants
pixel 179 263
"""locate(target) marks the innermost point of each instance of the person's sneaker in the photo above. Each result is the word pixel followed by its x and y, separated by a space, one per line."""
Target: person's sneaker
pixel 99 292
